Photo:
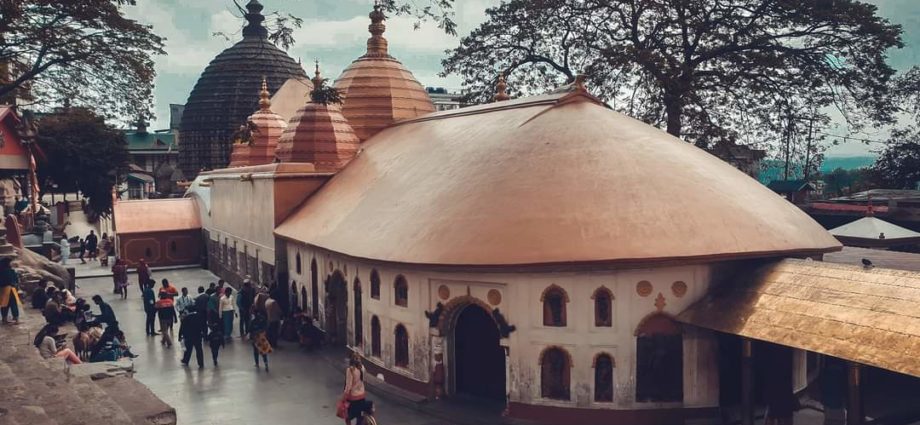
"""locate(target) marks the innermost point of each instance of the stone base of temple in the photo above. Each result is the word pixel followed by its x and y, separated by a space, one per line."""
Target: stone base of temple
pixel 557 415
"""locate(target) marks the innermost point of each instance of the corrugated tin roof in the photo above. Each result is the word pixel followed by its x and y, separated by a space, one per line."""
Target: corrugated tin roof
pixel 156 215
pixel 879 257
pixel 869 316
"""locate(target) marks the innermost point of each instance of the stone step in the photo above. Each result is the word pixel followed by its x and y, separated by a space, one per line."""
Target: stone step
pixel 17 404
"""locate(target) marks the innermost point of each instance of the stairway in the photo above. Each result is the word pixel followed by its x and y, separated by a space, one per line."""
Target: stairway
pixel 37 391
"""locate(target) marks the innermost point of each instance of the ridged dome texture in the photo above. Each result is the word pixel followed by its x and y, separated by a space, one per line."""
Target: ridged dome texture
pixel 378 89
pixel 227 93
pixel 320 135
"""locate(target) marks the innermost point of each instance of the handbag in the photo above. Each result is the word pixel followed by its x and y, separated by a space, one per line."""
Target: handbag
pixel 341 408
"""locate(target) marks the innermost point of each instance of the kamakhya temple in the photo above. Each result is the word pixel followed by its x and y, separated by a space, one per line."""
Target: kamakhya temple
pixel 549 253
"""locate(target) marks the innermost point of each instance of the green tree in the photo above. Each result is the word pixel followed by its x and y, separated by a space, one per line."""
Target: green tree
pixel 84 154
pixel 898 165
pixel 707 71
pixel 80 53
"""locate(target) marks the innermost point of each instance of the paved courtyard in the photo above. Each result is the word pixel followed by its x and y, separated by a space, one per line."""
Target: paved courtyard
pixel 301 388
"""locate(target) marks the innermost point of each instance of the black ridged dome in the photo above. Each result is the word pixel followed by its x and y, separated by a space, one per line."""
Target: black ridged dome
pixel 228 92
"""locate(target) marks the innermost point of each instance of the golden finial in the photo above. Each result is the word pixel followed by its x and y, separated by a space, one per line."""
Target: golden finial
pixel 264 100
pixel 500 88
pixel 377 45
pixel 318 80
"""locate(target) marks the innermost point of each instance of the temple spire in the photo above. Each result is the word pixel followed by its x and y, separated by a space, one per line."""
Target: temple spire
pixel 377 45
pixel 318 79
pixel 501 88
pixel 254 19
pixel 265 102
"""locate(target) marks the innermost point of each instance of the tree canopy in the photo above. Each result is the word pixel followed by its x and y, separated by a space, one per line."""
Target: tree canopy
pixel 84 154
pixel 79 53
pixel 707 71
pixel 898 165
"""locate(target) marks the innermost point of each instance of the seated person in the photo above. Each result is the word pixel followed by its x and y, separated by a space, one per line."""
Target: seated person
pixel 49 347
pixel 111 346
pixel 52 311
pixel 40 296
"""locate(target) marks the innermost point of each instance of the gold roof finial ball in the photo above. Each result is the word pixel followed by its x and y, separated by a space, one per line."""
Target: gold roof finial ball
pixel 501 88
pixel 264 97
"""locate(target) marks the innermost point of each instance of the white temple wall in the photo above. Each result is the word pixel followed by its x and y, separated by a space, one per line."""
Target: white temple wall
pixel 519 301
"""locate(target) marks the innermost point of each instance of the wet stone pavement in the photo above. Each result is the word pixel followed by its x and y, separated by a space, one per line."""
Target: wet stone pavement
pixel 301 388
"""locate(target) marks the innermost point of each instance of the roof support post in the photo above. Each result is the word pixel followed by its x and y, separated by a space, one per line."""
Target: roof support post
pixel 747 382
pixel 854 399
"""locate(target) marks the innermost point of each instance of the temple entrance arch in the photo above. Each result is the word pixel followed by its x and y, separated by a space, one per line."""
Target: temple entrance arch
pixel 477 357
pixel 337 308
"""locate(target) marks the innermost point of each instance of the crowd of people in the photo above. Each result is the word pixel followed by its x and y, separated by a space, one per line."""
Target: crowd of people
pixel 91 247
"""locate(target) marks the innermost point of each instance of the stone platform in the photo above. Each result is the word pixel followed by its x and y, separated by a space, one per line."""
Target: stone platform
pixel 37 391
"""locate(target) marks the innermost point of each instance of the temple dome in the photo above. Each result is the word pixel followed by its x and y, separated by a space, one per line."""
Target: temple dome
pixel 378 89
pixel 318 134
pixel 547 180
pixel 223 96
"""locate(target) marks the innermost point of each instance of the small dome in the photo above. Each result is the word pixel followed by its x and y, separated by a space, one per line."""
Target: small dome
pixel 266 127
pixel 319 134
pixel 378 89
pixel 222 98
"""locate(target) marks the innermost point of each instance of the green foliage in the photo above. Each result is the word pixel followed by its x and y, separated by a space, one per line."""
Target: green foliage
pixel 325 95
pixel 79 53
pixel 840 182
pixel 898 165
pixel 708 71
pixel 84 154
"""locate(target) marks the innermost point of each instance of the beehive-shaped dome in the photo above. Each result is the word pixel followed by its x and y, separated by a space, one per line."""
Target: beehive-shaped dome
pixel 319 134
pixel 265 128
pixel 222 98
pixel 378 89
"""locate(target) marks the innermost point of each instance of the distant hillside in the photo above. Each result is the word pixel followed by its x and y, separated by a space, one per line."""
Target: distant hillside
pixel 773 169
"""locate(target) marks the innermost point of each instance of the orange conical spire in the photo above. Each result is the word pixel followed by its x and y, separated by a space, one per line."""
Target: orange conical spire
pixel 377 45
pixel 265 102
pixel 500 89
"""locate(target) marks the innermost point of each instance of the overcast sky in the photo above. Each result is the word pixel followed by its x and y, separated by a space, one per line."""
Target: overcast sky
pixel 335 32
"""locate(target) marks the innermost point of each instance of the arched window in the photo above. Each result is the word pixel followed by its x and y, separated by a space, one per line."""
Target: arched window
pixel 294 294
pixel 359 319
pixel 554 301
pixel 555 373
pixel 659 360
pixel 402 346
pixel 375 284
pixel 603 377
pixel 298 265
pixel 314 288
pixel 603 307
pixel 401 291
pixel 303 298
pixel 375 336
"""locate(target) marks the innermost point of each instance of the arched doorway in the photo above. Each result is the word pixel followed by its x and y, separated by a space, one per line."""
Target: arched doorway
pixel 659 360
pixel 337 308
pixel 479 359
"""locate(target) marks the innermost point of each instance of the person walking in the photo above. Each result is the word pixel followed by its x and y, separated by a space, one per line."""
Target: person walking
pixel 227 312
pixel 273 314
pixel 120 277
pixel 150 299
pixel 166 312
pixel 82 251
pixel 259 339
pixel 143 273
pixel 9 291
pixel 65 249
pixel 215 339
pixel 354 392
pixel 92 243
pixel 244 302
pixel 104 248
pixel 193 330
pixel 201 303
